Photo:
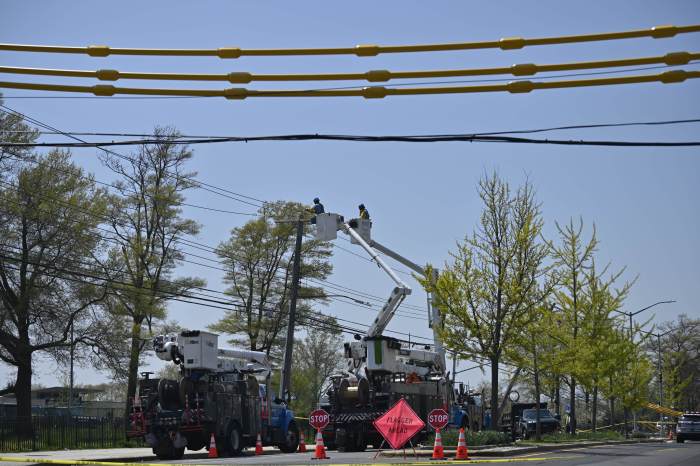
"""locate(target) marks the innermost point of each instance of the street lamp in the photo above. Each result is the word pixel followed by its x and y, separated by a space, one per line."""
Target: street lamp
pixel 321 296
pixel 630 315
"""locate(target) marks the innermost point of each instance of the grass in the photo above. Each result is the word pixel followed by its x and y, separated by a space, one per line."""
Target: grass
pixel 580 437
pixel 484 437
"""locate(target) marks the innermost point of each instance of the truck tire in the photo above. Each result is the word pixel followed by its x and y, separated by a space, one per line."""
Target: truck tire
pixel 165 450
pixel 291 441
pixel 234 439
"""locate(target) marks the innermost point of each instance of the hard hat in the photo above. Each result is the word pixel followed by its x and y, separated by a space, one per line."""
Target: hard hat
pixel 316 200
pixel 361 206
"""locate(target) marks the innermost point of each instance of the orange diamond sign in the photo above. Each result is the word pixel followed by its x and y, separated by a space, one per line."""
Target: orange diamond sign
pixel 399 424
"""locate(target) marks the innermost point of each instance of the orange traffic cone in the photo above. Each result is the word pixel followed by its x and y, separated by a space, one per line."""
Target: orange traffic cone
pixel 258 446
pixel 320 453
pixel 438 452
pixel 213 452
pixel 462 452
pixel 302 443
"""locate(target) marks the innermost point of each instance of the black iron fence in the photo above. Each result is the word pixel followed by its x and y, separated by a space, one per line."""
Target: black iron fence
pixel 62 432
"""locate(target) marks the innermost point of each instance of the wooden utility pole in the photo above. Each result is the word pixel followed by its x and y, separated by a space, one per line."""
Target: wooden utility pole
pixel 289 347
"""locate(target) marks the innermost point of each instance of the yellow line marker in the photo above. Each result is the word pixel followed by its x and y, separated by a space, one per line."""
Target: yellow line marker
pixel 20 459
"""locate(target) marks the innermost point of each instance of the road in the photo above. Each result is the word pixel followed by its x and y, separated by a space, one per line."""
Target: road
pixel 649 454
pixel 645 454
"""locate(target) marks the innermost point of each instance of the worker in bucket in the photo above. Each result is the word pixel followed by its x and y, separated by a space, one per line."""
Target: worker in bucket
pixel 364 213
pixel 316 209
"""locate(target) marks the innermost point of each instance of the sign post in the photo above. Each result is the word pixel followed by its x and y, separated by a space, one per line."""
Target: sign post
pixel 437 419
pixel 399 424
pixel 319 419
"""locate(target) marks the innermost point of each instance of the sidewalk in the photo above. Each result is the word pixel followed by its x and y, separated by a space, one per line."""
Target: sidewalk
pixel 511 450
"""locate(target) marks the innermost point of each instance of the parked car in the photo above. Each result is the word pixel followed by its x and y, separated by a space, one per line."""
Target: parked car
pixel 527 424
pixel 688 427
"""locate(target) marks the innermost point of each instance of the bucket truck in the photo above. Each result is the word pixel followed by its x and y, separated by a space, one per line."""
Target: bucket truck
pixel 381 369
pixel 219 393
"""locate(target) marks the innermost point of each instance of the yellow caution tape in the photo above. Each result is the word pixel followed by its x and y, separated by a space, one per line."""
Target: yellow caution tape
pixel 365 50
pixel 372 92
pixel 522 69
pixel 20 459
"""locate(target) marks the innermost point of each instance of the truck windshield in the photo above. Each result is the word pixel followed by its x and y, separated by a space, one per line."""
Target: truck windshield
pixel 532 413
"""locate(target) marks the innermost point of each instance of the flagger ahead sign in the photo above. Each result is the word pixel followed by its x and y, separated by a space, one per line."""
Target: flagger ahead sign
pixel 399 424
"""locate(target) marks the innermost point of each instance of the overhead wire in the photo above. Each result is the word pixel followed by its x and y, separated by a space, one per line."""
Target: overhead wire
pixel 364 50
pixel 370 92
pixel 240 77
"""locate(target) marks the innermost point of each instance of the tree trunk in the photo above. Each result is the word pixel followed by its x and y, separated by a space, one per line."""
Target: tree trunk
pixel 557 396
pixel 612 410
pixel 23 395
pixel 627 432
pixel 572 410
pixel 133 364
pixel 594 415
pixel 494 395
pixel 538 425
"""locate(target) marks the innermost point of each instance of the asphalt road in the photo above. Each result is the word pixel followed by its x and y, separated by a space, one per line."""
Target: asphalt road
pixel 644 454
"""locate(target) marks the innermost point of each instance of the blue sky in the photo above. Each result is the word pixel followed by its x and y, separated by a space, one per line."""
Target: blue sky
pixel 644 201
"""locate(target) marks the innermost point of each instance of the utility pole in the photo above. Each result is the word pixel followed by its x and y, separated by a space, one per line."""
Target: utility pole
pixel 289 347
pixel 70 387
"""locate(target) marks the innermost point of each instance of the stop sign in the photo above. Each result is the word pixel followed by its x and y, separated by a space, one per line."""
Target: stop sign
pixel 437 418
pixel 319 418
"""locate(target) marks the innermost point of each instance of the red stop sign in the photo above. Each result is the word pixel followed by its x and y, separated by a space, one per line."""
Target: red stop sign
pixel 319 418
pixel 437 418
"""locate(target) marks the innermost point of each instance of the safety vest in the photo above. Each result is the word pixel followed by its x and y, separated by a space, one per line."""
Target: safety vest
pixel 364 214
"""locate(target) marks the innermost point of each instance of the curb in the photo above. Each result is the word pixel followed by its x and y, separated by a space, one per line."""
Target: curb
pixel 514 451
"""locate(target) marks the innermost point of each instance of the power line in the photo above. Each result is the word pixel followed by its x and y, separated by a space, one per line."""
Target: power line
pixel 369 92
pixel 370 50
pixel 366 138
pixel 204 186
pixel 241 77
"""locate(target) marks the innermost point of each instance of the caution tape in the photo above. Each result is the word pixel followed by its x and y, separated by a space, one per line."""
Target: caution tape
pixel 371 92
pixel 241 77
pixel 364 50
pixel 20 459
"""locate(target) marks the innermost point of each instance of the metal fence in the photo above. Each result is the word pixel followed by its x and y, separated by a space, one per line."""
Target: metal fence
pixel 61 432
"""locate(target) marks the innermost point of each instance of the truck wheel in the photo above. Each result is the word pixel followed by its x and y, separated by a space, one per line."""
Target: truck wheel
pixel 680 440
pixel 165 450
pixel 234 440
pixel 178 453
pixel 360 443
pixel 291 441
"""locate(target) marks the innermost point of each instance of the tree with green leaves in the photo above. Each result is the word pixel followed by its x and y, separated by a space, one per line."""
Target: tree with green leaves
pixel 49 279
pixel 599 302
pixel 147 223
pixel 258 261
pixel 315 359
pixel 14 129
pixel 573 258
pixel 487 293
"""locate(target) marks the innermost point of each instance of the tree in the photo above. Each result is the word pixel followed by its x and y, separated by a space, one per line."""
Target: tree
pixel 14 129
pixel 147 222
pixel 316 358
pixel 598 330
pixel 572 260
pixel 486 294
pixel 258 262
pixel 680 362
pixel 48 276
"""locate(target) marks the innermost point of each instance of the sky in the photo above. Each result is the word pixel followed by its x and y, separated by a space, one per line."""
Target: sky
pixel 422 197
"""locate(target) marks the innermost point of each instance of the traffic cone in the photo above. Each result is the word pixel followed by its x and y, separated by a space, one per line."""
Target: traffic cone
pixel 213 452
pixel 438 452
pixel 320 453
pixel 258 446
pixel 462 452
pixel 302 443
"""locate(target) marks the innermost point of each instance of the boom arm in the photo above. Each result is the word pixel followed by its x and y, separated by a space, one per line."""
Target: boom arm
pixel 433 313
pixel 398 294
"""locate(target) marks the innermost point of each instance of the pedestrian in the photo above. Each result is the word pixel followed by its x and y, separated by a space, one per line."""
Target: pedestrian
pixel 364 213
pixel 316 209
